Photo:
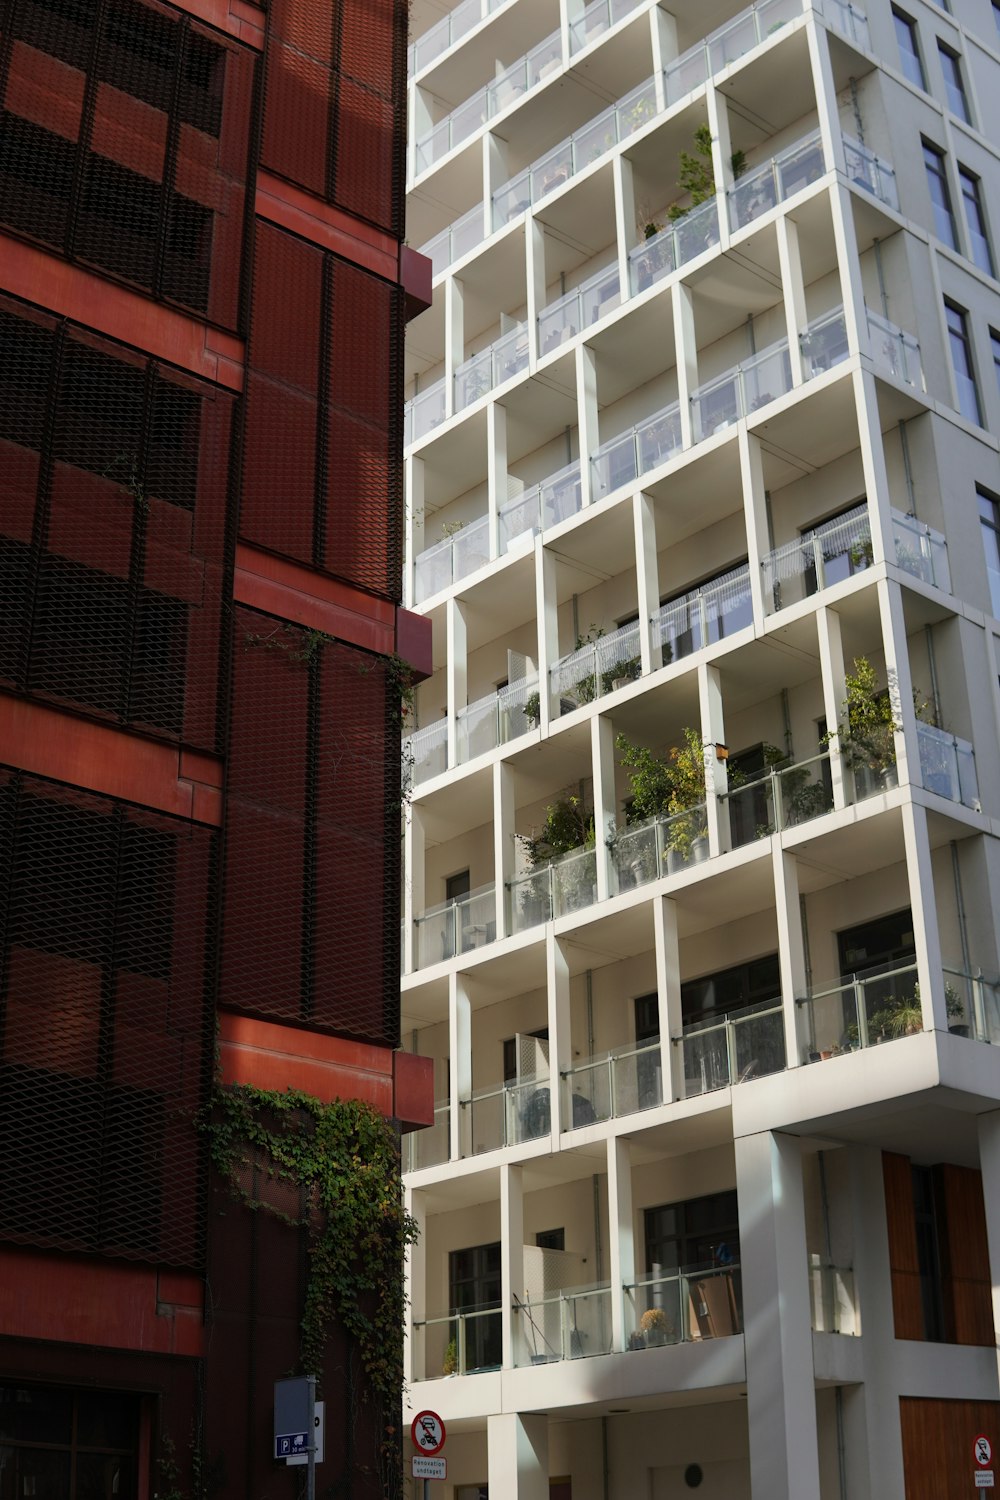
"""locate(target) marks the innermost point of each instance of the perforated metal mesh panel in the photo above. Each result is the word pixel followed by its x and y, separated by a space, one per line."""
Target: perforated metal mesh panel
pixel 104 1024
pixel 124 136
pixel 113 474
pixel 311 926
pixel 323 414
pixel 335 94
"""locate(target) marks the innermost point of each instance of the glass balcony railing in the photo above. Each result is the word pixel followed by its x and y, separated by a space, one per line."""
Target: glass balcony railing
pixel 459 1343
pixel 450 132
pixel 617 1083
pixel 726 45
pixel 673 246
pixel 446 32
pixel 713 611
pixel 973 1005
pixel 947 765
pixel 864 1010
pixel 505 357
pixel 578 309
pixel 425 752
pixel 644 446
pixel 545 504
pixel 596 668
pixel 921 551
pixel 741 1045
pixel 423 413
pixel 897 353
pixel 598 17
pixel 507 1116
pixel 497 718
pixel 819 558
pixel 763 187
pixel 824 343
pixel 455 927
pixel 562 885
pixel 849 21
pixel 747 387
pixel 429 1147
pixel 570 1324
pixel 831 1293
pixel 686 1306
pixel 455 241
pixel 780 797
pixel 455 557
pixel 871 172
pixel 661 846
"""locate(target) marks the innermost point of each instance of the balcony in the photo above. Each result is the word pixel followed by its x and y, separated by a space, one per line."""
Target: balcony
pixel 597 18
pixel 684 1307
pixel 621 1082
pixel 423 413
pixel 661 846
pixel 747 387
pixel 466 1342
pixel 973 1005
pixel 455 557
pixel 545 504
pixel 455 241
pixel 430 1147
pixel 897 353
pixel 870 172
pixel 497 719
pixel 824 343
pixel 425 753
pixel 821 557
pixel 634 452
pixel 446 32
pixel 726 45
pixel 578 309
pixel 849 21
pixel 709 613
pixel 781 797
pixel 505 357
pixel 762 188
pixel 741 1045
pixel 674 246
pixel 507 1116
pixel 921 551
pixel 455 927
pixel 864 1011
pixel 565 884
pixel 948 765
pixel 831 1293
pixel 596 667
pixel 571 1324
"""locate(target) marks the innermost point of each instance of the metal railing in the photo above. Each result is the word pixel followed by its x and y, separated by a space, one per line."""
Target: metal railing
pixel 781 797
pixel 824 343
pixel 438 38
pixel 871 172
pixel 497 718
pixel 423 412
pixel 947 765
pixel 763 187
pixel 507 1115
pixel 632 453
pixel 713 611
pixel 921 551
pixel 684 1307
pixel 596 668
pixel 505 357
pixel 663 845
pixel 542 505
pixel 458 1343
pixel 455 557
pixel 598 17
pixel 745 388
pixel 739 1046
pixel 864 1010
pixel 571 1324
pixel 429 1147
pixel 620 1082
pixel 820 557
pixel 455 927
pixel 578 309
pixel 567 883
pixel 461 236
pixel 673 246
pixel 831 1294
pixel 897 352
pixel 973 1005
pixel 425 752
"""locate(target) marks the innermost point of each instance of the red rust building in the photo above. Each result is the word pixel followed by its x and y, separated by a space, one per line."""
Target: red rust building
pixel 202 300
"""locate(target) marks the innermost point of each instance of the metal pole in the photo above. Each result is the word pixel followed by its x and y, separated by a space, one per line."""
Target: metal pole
pixel 427 1489
pixel 311 1450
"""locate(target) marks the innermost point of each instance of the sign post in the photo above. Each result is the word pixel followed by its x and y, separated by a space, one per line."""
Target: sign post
pixel 428 1434
pixel 295 1423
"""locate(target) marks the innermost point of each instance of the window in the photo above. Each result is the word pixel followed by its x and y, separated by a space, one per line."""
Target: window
pixel 996 13
pixel 925 1215
pixel 975 220
pixel 909 50
pixel 692 1236
pixel 961 359
pixel 71 1443
pixel 989 521
pixel 995 346
pixel 954 88
pixel 551 1239
pixel 937 186
pixel 474 1285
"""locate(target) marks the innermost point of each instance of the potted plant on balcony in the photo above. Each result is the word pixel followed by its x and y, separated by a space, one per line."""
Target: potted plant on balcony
pixel 696 176
pixel 655 1327
pixel 568 827
pixel 870 723
pixel 449 1365
pixel 666 788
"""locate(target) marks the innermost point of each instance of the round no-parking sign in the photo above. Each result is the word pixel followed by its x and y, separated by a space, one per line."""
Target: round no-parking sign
pixel 982 1451
pixel 427 1432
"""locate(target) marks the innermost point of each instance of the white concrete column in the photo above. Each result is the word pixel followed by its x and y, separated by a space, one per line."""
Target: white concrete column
pixel 504 843
pixel 665 49
pixel 569 11
pixel 832 670
pixel 923 908
pixel 511 1255
pixel 898 679
pixel 414 897
pixel 882 1463
pixel 588 423
pixel 873 467
pixel 547 614
pixel 621 1234
pixel 793 287
pixel 791 947
pixel 647 579
pixel 781 1399
pixel 416 1289
pixel 827 108
pixel 496 469
pixel 457 671
pixel 602 760
pixel 560 1030
pixel 849 269
pixel 518 1456
pixel 454 338
pixel 668 997
pixel 686 353
pixel 414 526
pixel 989 1164
pixel 460 1071
pixel 722 149
pixel 755 515
pixel 535 246
pixel 627 231
pixel 713 732
pixel 495 173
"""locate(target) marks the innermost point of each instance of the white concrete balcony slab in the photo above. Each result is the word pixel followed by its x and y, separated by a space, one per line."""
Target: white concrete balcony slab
pixel 596 668
pixel 540 506
pixel 742 1045
pixel 619 1082
pixel 763 187
pixel 578 309
pixel 455 927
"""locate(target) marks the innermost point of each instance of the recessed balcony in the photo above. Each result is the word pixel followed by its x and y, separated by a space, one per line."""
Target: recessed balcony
pixel 643 446
pixel 498 718
pixel 573 1323
pixel 429 1147
pixel 506 357
pixel 597 18
pixel 921 551
pixel 446 32
pixel 461 1342
pixel 622 1081
pixel 596 667
pixel 783 796
pixel 451 559
pixel 832 1298
pixel 660 846
pixel 849 21
pixel 578 309
pixel 424 412
pixel 507 1115
pixel 948 765
pixel 716 609
pixel 564 884
pixel 821 557
pixel 425 753
pixel 542 505
pixel 895 352
pixel 672 247
pixel 747 387
pixel 862 1012
pixel 461 236
pixel 454 927
pixel 684 1307
pixel 763 188
pixel 742 1044
pixel 870 172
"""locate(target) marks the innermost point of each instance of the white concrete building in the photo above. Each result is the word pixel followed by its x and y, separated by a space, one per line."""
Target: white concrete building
pixel 700 451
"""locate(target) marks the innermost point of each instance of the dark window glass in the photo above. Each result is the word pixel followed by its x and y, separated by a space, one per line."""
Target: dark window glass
pixel 989 521
pixel 954 88
pixel 909 49
pixel 937 186
pixel 975 219
pixel 928 1257
pixel 961 359
pixel 68 1443
pixel 691 1236
pixel 551 1239
pixel 995 346
pixel 474 1285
